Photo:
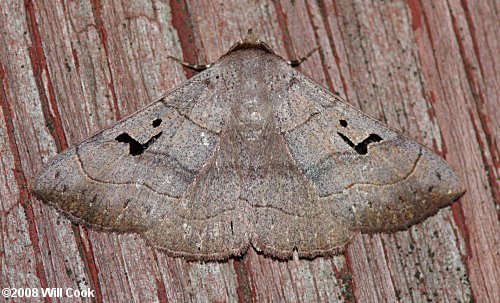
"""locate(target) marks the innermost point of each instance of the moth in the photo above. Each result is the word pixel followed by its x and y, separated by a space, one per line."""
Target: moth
pixel 249 152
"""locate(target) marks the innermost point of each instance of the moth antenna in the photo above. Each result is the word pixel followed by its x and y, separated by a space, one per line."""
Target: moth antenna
pixel 196 67
pixel 295 63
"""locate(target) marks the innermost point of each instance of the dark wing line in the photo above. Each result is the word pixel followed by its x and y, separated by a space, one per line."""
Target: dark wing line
pixel 189 119
pixel 193 172
pixel 275 208
pixel 234 208
pixel 414 168
pixel 283 132
pixel 80 162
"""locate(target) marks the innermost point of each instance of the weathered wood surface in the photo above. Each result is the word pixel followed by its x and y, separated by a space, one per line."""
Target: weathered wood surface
pixel 428 68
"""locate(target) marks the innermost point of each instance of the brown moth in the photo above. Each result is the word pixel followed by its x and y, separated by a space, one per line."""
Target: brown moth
pixel 248 152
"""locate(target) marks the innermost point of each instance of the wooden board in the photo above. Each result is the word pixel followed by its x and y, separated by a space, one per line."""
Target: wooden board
pixel 427 68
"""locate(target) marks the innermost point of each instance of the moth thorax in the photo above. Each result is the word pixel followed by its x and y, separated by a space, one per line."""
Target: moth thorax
pixel 253 115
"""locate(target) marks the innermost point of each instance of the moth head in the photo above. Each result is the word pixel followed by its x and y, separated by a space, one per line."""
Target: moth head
pixel 250 42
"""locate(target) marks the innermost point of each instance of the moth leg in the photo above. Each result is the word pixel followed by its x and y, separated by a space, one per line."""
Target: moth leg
pixel 295 63
pixel 196 67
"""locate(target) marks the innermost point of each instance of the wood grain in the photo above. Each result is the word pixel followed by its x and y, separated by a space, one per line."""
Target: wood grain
pixel 429 69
